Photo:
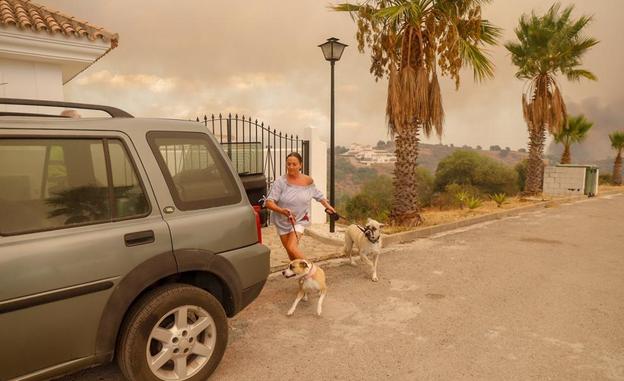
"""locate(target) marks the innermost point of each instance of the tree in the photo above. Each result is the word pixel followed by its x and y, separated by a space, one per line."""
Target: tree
pixel 574 131
pixel 411 42
pixel 548 45
pixel 617 143
pixel 469 168
pixel 495 148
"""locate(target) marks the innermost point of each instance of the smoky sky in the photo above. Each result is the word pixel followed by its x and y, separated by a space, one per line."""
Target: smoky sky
pixel 607 118
pixel 261 58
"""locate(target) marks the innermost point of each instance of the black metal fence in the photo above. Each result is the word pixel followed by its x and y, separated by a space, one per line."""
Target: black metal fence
pixel 254 147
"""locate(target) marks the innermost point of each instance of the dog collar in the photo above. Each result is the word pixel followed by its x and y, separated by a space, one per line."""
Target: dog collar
pixel 310 272
pixel 368 236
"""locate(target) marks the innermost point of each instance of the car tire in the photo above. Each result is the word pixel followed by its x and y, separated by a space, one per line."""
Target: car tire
pixel 176 332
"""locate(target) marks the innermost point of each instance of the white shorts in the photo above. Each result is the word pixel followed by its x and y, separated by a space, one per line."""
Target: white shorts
pixel 298 228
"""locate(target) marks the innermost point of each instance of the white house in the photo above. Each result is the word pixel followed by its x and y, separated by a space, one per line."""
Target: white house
pixel 42 49
pixel 366 154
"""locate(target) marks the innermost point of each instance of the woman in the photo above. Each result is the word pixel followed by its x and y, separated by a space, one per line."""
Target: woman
pixel 289 199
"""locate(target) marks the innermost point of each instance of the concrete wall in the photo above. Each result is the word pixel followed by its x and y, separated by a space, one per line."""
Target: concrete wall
pixel 564 181
pixel 318 171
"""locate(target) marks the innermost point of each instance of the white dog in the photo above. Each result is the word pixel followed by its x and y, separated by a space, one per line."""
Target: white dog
pixel 366 238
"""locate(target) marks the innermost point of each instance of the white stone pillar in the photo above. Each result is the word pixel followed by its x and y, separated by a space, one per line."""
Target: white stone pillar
pixel 318 170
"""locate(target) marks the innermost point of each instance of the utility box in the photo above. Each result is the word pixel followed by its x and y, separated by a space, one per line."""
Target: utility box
pixel 571 179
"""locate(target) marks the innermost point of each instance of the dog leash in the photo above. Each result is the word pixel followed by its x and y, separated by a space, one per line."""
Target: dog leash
pixel 292 223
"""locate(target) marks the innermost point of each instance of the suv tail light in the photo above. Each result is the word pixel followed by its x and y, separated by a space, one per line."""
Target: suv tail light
pixel 256 209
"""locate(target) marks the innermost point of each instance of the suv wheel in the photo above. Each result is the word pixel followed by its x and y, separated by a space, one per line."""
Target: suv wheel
pixel 176 332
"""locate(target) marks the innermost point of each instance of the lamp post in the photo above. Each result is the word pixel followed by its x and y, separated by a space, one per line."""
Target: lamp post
pixel 332 50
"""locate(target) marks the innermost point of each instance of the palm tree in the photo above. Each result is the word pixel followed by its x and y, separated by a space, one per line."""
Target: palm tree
pixel 411 42
pixel 575 131
pixel 548 45
pixel 617 143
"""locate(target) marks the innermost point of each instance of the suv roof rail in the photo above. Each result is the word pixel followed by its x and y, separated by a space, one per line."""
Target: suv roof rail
pixel 112 111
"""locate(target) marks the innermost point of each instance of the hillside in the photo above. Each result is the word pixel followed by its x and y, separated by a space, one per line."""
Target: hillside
pixel 350 174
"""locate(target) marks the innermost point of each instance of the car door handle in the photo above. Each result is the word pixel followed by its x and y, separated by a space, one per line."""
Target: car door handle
pixel 139 238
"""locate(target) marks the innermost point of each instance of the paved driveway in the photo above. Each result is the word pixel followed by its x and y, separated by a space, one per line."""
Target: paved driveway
pixel 535 297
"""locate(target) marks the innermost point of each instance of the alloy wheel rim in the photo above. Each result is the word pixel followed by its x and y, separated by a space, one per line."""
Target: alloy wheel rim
pixel 181 343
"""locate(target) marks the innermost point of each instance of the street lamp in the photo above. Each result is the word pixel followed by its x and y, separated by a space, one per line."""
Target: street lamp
pixel 332 50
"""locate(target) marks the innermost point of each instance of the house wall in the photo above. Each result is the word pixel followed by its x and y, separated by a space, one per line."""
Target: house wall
pixel 30 79
pixel 35 65
pixel 318 171
pixel 564 181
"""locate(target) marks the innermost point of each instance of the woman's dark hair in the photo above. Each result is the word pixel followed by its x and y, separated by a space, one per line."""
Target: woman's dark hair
pixel 297 155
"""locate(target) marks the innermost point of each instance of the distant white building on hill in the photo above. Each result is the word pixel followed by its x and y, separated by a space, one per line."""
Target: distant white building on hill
pixel 366 154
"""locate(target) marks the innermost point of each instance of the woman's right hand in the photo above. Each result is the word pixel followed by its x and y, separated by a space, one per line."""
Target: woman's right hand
pixel 288 213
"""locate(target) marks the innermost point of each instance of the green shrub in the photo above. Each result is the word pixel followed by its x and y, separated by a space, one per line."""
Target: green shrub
pixel 454 196
pixel 462 197
pixel 375 198
pixel 470 168
pixel 473 202
pixel 499 198
pixel 424 181
pixel 374 201
pixel 521 170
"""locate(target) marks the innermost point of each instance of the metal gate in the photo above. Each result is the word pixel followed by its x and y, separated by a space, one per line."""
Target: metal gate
pixel 254 148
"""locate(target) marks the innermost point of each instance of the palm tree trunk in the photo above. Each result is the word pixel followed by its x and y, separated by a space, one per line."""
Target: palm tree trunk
pixel 566 158
pixel 535 168
pixel 617 169
pixel 405 208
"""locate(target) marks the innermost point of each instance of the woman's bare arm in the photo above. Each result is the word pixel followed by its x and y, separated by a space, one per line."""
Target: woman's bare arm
pixel 270 204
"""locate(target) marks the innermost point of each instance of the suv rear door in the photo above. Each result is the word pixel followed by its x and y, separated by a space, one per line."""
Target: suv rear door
pixel 205 210
pixel 77 214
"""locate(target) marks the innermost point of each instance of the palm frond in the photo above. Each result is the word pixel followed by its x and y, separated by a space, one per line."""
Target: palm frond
pixel 473 56
pixel 436 111
pixel 617 140
pixel 576 75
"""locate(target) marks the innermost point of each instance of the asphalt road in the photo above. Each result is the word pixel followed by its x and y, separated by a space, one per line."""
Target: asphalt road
pixel 534 297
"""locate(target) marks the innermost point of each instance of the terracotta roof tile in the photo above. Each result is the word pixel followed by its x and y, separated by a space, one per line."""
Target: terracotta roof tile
pixel 25 14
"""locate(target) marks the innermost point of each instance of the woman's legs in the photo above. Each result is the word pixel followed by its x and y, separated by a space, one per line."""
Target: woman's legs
pixel 292 247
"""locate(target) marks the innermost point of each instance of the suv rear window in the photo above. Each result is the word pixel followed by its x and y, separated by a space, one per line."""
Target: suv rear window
pixel 55 183
pixel 197 175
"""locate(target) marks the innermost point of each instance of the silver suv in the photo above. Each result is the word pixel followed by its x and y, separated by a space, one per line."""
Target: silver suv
pixel 120 237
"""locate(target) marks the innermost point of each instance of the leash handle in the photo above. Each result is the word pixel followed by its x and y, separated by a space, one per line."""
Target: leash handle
pixel 333 215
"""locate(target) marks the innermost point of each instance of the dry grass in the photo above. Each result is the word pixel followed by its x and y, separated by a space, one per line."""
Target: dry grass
pixel 606 188
pixel 435 216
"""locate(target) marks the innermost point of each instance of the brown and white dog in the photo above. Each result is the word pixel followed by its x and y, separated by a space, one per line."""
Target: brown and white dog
pixel 366 238
pixel 311 278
